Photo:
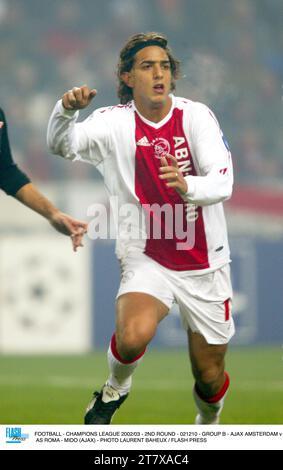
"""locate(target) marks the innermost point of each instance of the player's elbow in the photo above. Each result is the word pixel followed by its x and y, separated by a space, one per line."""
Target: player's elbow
pixel 226 191
pixel 51 143
pixel 54 140
pixel 53 146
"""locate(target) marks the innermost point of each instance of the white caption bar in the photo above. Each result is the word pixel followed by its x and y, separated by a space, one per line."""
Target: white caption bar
pixel 142 437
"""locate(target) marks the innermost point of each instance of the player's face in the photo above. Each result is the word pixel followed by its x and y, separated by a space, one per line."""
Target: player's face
pixel 151 77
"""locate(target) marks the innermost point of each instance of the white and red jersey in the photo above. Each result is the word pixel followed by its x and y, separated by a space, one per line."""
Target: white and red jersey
pixel 126 148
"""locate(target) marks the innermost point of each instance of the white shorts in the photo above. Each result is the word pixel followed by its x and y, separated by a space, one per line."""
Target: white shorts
pixel 205 301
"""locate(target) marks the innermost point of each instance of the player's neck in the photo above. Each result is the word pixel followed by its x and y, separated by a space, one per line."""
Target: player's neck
pixel 154 112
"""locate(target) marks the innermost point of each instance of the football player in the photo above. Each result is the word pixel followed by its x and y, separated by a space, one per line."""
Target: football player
pixel 156 149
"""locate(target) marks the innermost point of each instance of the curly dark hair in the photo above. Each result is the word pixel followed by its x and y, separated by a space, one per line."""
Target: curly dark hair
pixel 127 59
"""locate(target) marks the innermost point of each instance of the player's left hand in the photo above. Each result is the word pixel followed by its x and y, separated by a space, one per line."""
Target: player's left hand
pixel 67 225
pixel 172 175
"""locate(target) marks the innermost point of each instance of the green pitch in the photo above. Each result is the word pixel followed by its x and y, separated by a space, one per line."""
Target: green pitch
pixel 56 389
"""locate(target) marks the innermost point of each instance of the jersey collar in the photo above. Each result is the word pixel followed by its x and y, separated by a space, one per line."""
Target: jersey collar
pixel 161 123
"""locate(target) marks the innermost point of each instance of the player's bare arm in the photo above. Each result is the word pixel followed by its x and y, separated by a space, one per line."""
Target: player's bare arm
pixel 78 97
pixel 172 175
pixel 63 223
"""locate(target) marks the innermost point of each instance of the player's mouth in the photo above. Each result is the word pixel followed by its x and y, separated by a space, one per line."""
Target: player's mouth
pixel 159 88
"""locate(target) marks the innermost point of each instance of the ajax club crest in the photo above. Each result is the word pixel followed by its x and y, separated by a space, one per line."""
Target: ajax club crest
pixel 161 147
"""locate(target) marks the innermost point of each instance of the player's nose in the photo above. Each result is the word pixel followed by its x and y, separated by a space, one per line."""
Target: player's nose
pixel 157 71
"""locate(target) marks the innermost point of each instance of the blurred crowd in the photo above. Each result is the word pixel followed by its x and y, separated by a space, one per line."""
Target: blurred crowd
pixel 231 54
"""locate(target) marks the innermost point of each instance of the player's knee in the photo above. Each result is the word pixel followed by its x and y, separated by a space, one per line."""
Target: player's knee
pixel 209 375
pixel 132 342
pixel 129 350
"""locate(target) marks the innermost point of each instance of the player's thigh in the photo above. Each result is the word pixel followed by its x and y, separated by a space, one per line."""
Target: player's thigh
pixel 143 299
pixel 138 314
pixel 205 358
pixel 205 307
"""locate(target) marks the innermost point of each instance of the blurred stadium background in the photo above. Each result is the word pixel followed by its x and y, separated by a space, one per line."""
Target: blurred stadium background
pixel 57 308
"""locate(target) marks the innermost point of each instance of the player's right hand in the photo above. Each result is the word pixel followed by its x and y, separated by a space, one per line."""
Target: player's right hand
pixel 78 97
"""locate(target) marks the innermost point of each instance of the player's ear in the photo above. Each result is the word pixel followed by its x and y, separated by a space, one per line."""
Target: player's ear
pixel 127 78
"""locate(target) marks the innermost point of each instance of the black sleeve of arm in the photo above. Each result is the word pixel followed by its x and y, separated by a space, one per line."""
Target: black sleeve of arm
pixel 11 177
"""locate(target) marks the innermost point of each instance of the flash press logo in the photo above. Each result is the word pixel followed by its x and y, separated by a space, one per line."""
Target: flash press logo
pixel 15 436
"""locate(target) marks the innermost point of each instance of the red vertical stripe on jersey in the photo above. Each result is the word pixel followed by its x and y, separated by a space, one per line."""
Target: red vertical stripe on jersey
pixel 227 309
pixel 150 189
